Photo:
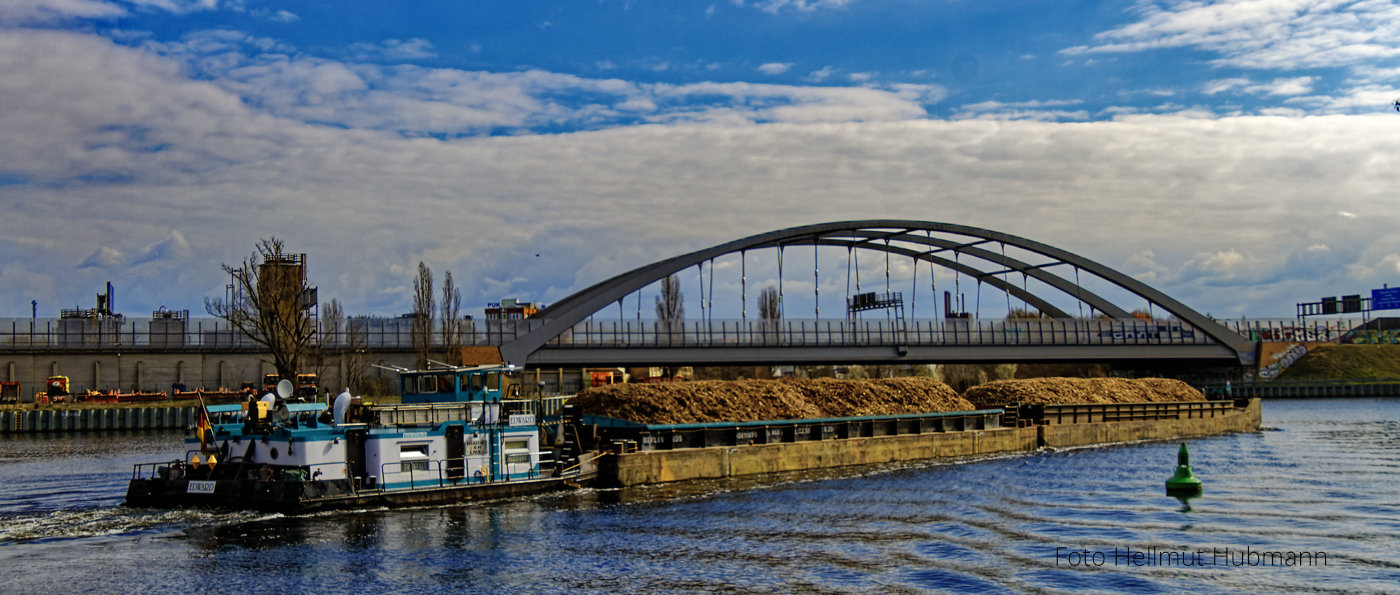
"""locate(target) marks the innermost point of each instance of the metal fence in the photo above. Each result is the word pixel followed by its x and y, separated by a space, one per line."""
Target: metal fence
pixel 817 333
pixel 1111 412
pixel 87 334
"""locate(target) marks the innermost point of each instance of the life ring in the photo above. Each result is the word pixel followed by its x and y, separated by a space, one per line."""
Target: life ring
pixel 481 474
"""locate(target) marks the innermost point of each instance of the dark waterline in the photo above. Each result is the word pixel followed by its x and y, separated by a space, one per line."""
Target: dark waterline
pixel 1323 481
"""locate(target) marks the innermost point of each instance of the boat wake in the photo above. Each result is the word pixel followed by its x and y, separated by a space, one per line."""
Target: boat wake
pixel 112 521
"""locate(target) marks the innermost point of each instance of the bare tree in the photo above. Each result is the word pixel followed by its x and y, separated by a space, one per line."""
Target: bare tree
pixel 270 303
pixel 770 309
pixel 770 305
pixel 332 324
pixel 422 333
pixel 670 310
pixel 451 321
pixel 356 356
pixel 329 338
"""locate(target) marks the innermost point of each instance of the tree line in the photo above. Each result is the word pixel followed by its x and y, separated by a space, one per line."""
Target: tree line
pixel 272 303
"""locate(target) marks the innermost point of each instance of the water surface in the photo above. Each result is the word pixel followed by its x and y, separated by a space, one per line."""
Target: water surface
pixel 1323 481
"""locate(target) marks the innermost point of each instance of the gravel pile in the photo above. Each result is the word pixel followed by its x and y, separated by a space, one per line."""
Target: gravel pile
pixel 1066 391
pixel 758 400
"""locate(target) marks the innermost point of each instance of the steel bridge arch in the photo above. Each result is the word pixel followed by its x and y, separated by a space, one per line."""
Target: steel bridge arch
pixel 877 235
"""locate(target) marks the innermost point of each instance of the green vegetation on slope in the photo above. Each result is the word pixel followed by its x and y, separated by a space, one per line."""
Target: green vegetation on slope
pixel 1347 362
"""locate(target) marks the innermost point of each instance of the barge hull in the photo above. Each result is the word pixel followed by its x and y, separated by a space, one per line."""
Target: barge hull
pixel 1059 427
pixel 299 497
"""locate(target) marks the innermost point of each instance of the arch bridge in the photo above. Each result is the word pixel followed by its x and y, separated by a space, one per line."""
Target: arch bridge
pixel 1058 306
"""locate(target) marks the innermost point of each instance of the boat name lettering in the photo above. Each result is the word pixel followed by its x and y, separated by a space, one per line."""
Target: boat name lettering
pixel 746 435
pixel 415 434
pixel 200 487
pixel 522 419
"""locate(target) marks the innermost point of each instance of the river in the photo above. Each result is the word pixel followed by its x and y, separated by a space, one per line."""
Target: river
pixel 1311 504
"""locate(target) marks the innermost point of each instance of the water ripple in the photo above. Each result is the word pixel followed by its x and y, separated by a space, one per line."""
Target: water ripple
pixel 1322 482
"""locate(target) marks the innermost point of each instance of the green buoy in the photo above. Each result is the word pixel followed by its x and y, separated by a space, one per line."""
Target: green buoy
pixel 1183 483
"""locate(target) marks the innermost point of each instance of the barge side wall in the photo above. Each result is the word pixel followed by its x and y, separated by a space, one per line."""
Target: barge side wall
pixel 650 467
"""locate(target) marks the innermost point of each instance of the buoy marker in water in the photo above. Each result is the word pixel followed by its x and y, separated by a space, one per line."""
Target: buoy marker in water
pixel 1183 482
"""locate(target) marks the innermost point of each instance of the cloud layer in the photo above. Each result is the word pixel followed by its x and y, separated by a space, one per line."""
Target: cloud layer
pixel 149 162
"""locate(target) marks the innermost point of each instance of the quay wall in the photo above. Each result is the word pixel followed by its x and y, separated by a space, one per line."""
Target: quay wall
pixel 155 371
pixel 83 420
pixel 663 466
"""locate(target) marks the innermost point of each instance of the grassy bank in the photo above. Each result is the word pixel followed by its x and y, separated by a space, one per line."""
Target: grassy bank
pixel 1347 362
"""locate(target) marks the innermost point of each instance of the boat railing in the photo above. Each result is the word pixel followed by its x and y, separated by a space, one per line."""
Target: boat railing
pixel 437 473
pixel 478 413
pixel 152 470
pixel 176 468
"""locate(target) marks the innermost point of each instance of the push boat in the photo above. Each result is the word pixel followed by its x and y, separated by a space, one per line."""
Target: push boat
pixel 460 433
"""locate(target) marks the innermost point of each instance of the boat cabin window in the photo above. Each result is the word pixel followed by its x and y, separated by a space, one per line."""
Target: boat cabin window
pixel 436 383
pixel 413 457
pixel 477 381
pixel 493 380
pixel 426 384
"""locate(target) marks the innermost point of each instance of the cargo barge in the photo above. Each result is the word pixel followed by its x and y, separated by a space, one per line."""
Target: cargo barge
pixel 652 454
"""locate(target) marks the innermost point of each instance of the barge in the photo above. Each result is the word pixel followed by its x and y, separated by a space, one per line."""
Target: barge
pixel 460 433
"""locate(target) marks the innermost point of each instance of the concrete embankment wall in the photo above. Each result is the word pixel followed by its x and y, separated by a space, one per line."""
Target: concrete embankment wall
pixel 79 420
pixel 648 467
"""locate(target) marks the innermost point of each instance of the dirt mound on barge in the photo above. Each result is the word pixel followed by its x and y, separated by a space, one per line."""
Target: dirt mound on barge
pixel 758 400
pixel 1066 391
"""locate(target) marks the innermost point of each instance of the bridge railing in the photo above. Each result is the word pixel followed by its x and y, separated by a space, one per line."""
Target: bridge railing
pixel 23 334
pixel 816 333
pixel 115 334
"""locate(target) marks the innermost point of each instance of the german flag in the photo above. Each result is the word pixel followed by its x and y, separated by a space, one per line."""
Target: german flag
pixel 204 428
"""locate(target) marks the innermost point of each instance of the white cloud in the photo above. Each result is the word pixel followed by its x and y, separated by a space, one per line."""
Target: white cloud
pixel 417 101
pixel 1261 34
pixel 1386 268
pixel 265 142
pixel 42 12
pixel 1224 263
pixel 172 248
pixel 104 257
pixel 1286 86
pixel 774 68
pixel 394 50
pixel 1223 85
pixel 777 6
pixel 1045 111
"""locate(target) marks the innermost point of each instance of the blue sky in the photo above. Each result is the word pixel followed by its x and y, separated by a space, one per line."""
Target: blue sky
pixel 1241 156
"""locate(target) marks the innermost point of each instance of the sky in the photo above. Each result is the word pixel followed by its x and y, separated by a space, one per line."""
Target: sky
pixel 1241 156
